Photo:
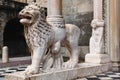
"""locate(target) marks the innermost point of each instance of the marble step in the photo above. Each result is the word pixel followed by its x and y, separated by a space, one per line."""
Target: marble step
pixel 82 70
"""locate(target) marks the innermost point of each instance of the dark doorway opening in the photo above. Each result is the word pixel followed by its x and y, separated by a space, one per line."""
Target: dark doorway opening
pixel 13 37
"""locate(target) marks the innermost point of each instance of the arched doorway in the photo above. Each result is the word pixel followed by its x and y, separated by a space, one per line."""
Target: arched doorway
pixel 13 37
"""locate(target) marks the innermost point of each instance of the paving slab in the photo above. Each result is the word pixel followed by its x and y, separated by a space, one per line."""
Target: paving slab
pixel 83 70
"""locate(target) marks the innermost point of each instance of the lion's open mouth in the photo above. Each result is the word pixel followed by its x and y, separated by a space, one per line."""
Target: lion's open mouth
pixel 25 17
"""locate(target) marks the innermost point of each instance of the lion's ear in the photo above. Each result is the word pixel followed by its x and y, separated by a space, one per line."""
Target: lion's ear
pixel 43 11
pixel 34 3
pixel 31 3
pixel 39 7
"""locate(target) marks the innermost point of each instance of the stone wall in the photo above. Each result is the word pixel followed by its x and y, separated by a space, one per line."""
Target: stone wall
pixel 4 18
pixel 41 2
pixel 80 13
pixel 8 11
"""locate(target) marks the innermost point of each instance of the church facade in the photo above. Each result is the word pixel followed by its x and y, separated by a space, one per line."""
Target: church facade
pixel 78 12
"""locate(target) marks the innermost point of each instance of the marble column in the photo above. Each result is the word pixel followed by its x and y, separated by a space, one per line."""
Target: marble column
pixel 96 44
pixel 115 33
pixel 55 18
pixel 54 7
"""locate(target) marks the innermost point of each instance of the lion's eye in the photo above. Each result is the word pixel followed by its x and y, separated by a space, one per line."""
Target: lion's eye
pixel 30 8
pixel 35 9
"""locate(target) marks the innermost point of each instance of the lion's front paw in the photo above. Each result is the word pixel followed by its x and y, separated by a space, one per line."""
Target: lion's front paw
pixel 31 70
pixel 70 64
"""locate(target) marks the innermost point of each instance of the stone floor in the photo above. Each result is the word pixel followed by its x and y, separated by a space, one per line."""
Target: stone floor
pixel 15 62
pixel 110 75
pixel 4 71
pixel 104 76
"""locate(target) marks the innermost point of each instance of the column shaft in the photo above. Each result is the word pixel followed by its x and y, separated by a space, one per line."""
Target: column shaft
pixel 115 33
pixel 98 9
pixel 54 7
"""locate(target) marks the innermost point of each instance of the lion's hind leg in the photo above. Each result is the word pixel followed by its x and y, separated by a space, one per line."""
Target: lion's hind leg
pixel 58 60
pixel 71 43
pixel 73 55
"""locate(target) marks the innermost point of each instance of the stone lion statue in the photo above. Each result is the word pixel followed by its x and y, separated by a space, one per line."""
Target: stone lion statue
pixel 44 42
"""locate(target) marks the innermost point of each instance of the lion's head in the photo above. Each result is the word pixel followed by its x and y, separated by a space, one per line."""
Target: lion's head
pixel 31 13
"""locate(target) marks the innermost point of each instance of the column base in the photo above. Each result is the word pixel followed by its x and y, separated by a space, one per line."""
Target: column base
pixel 116 66
pixel 97 58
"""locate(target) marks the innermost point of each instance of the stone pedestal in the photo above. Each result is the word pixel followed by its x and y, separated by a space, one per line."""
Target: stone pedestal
pixel 82 70
pixel 5 57
pixel 97 58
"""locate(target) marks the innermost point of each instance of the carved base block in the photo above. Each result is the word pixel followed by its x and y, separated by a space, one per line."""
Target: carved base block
pixel 97 58
pixel 83 69
pixel 116 66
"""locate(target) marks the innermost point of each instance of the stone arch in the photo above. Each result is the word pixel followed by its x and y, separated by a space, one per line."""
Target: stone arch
pixel 13 37
pixel 3 19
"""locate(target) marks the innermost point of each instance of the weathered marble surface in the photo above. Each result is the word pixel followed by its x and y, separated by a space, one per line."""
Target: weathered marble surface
pixel 97 58
pixel 5 57
pixel 83 69
pixel 44 38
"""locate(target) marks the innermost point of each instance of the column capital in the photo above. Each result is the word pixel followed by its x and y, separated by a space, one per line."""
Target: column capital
pixel 97 23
